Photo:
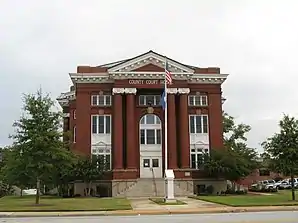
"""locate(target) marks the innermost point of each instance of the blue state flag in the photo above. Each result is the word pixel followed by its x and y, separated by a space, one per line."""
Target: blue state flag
pixel 163 100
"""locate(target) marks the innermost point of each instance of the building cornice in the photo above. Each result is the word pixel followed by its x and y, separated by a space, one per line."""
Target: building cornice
pixel 64 98
pixel 112 76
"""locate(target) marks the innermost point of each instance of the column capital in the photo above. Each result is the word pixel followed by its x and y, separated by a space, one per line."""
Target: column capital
pixel 172 90
pixel 130 90
pixel 183 90
pixel 118 91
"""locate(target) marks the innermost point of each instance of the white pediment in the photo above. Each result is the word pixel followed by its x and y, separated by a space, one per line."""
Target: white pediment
pixel 150 58
pixel 100 144
pixel 200 143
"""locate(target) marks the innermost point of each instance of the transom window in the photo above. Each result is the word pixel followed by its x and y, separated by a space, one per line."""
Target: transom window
pixel 197 100
pixel 197 156
pixel 150 119
pixel 154 100
pixel 101 124
pixel 198 123
pixel 102 154
pixel 150 136
pixel 101 100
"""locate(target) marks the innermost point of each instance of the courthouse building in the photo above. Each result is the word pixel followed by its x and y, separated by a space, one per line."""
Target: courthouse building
pixel 114 111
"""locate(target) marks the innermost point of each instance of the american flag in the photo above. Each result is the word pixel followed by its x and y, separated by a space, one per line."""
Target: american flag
pixel 169 79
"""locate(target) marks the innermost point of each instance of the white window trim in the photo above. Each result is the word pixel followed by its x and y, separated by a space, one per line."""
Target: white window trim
pixel 105 100
pixel 74 114
pixel 189 120
pixel 155 136
pixel 74 134
pixel 154 103
pixel 200 100
pixel 97 124
pixel 199 149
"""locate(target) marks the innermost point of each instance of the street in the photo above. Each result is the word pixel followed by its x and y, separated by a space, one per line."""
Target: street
pixel 259 217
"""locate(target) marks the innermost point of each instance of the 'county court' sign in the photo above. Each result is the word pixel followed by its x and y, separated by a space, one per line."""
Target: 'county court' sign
pixel 137 82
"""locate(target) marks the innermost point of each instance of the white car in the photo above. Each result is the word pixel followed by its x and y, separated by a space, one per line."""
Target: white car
pixel 30 192
pixel 283 184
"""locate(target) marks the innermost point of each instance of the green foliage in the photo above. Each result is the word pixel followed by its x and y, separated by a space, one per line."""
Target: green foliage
pixel 281 150
pixel 231 164
pixel 89 170
pixel 234 135
pixel 236 160
pixel 38 141
pixel 5 189
pixel 14 170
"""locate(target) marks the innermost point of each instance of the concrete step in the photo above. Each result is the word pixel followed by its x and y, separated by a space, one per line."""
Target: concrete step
pixel 153 188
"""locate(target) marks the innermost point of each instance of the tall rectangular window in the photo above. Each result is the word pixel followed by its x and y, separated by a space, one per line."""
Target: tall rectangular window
pixel 197 156
pixel 198 100
pixel 101 100
pixel 198 123
pixel 101 124
pixel 150 136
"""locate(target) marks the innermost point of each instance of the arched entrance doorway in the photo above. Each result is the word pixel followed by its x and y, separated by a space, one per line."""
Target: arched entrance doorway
pixel 150 146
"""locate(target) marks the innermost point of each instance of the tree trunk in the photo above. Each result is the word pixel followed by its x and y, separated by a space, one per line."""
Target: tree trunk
pixel 293 187
pixel 233 186
pixel 37 191
pixel 21 192
pixel 89 186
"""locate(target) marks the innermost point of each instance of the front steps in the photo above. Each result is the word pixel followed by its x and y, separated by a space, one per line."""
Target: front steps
pixel 155 188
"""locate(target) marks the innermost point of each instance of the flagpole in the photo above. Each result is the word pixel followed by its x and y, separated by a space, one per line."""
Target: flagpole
pixel 166 120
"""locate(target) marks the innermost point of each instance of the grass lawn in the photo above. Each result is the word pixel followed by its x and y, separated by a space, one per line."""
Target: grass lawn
pixel 281 198
pixel 161 201
pixel 47 203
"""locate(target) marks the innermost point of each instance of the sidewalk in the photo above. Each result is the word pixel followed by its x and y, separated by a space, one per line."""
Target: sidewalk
pixel 164 211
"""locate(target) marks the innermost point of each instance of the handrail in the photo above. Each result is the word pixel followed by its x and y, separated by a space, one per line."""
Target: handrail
pixel 154 182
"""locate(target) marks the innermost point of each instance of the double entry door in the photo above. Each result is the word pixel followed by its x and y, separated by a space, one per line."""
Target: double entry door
pixel 151 166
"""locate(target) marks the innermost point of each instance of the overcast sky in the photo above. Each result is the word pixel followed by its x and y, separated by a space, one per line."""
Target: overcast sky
pixel 255 41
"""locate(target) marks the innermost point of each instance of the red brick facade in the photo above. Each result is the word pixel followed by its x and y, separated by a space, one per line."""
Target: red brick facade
pixel 126 114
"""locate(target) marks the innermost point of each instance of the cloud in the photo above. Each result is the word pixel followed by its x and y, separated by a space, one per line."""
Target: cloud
pixel 255 42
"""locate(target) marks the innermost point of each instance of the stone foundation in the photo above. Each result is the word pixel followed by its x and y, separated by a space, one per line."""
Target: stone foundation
pixel 149 187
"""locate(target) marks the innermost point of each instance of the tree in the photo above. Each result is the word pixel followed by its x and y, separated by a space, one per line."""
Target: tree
pixel 236 160
pixel 38 138
pixel 14 170
pixel 234 134
pixel 281 149
pixel 64 174
pixel 89 170
pixel 231 164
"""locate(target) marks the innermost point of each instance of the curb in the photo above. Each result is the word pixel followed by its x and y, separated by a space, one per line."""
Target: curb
pixel 147 212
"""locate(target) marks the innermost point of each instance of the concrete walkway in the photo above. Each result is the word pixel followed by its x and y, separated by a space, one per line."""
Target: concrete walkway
pixel 146 204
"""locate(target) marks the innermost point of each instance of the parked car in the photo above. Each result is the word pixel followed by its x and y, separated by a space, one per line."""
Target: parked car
pixel 295 182
pixel 283 184
pixel 29 192
pixel 264 186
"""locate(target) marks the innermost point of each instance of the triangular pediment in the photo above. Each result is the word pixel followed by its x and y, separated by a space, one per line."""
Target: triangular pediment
pixel 152 62
pixel 150 67
pixel 100 144
pixel 200 143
